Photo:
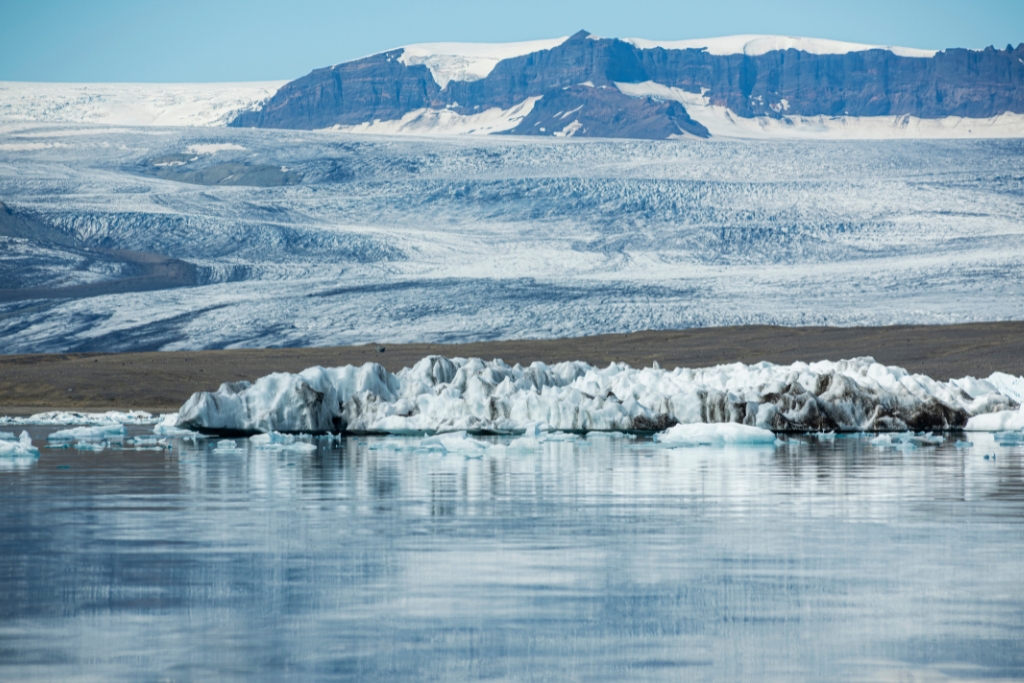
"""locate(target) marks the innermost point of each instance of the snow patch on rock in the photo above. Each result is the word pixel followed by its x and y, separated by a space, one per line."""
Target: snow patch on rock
pixel 469 61
pixel 722 122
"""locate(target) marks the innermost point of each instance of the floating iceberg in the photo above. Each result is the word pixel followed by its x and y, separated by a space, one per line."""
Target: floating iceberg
pixel 275 441
pixel 17 448
pixel 439 394
pixel 1001 421
pixel 62 417
pixel 457 442
pixel 110 430
pixel 715 435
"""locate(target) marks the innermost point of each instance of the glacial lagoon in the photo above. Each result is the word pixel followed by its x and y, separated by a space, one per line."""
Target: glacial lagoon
pixel 597 558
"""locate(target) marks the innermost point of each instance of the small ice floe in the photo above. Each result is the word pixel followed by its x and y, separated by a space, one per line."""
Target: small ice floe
pixel 825 436
pixel 1009 438
pixel 964 444
pixel 17 448
pixel 227 447
pixel 454 442
pixel 70 418
pixel 927 439
pixel 111 430
pixel 394 444
pixel 275 441
pixel 166 427
pixel 95 446
pixel 714 435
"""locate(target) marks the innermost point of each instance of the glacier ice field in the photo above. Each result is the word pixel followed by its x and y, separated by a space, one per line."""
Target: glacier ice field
pixel 323 238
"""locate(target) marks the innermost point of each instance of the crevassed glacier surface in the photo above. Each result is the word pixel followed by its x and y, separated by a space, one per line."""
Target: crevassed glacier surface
pixel 320 238
pixel 443 395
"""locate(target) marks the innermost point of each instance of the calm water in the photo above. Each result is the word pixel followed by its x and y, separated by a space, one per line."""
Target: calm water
pixel 591 560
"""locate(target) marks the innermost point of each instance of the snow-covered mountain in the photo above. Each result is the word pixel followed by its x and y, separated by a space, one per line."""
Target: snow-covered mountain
pixel 585 85
pixel 747 86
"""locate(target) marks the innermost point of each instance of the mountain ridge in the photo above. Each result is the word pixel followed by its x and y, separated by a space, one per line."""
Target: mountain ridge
pixel 822 78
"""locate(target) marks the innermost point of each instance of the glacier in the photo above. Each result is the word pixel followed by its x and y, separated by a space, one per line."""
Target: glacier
pixel 442 395
pixel 396 239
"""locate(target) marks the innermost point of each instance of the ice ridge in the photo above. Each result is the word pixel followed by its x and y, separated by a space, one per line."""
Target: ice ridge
pixel 440 394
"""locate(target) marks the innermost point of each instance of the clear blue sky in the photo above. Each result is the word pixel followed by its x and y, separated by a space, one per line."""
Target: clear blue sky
pixel 241 40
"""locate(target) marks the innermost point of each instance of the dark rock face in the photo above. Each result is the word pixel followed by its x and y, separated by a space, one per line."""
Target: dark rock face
pixel 604 112
pixel 976 84
pixel 377 87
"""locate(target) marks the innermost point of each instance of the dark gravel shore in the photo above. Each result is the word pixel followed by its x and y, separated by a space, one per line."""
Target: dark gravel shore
pixel 162 381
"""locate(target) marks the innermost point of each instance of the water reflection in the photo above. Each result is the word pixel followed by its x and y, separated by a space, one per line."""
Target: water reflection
pixel 594 559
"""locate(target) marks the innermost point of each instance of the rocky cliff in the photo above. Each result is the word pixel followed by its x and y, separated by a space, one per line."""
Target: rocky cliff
pixel 576 86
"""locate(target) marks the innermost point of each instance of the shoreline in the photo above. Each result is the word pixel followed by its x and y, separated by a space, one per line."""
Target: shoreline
pixel 162 381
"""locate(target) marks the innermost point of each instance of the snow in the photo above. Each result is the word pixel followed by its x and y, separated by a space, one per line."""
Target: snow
pixel 429 122
pixel 469 61
pixel 471 395
pixel 755 45
pixel 715 435
pixel 460 239
pixel 130 104
pixel 721 122
pixel 214 147
pixel 20 448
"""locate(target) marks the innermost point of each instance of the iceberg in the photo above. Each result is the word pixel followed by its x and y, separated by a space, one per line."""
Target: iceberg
pixel 275 441
pixel 1000 421
pixel 439 395
pixel 458 442
pixel 17 448
pixel 63 417
pixel 110 430
pixel 714 435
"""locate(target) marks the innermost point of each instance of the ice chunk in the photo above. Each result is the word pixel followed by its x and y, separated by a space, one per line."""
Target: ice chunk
pixel 8 436
pixel 458 394
pixel 275 441
pixel 99 432
pixel 714 434
pixel 19 448
pixel 456 442
pixel 91 445
pixel 61 417
pixel 227 447
pixel 1001 421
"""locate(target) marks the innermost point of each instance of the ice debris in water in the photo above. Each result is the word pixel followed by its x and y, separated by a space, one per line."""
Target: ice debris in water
pixel 61 417
pixel 227 447
pixel 166 427
pixel 17 448
pixel 275 441
pixel 111 430
pixel 458 442
pixel 444 395
pixel 714 435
